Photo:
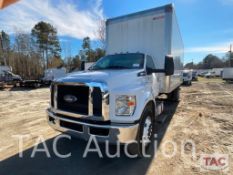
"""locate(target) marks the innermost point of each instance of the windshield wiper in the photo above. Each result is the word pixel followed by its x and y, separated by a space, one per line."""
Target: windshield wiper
pixel 116 67
pixel 110 67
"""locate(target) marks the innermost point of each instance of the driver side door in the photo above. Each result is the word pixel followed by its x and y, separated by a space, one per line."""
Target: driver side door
pixel 152 79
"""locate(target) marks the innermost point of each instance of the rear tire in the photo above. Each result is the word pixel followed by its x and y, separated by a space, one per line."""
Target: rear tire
pixel 145 134
pixel 174 96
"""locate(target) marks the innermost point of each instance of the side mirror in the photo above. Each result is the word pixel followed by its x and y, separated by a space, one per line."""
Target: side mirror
pixel 149 71
pixel 169 65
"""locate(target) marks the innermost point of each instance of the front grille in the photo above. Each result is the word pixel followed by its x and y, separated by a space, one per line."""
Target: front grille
pixel 83 99
pixel 52 95
pixel 80 106
pixel 97 101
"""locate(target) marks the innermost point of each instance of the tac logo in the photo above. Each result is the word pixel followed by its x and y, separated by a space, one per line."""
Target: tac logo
pixel 158 17
pixel 214 162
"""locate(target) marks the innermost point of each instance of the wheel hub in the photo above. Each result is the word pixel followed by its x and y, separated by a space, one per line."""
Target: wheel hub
pixel 147 130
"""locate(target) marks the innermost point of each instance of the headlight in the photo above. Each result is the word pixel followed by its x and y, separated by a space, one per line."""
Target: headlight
pixel 125 105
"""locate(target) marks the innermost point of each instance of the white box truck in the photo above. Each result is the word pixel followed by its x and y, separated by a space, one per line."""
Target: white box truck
pixel 7 76
pixel 117 99
pixel 217 72
pixel 4 68
pixel 187 77
pixel 227 74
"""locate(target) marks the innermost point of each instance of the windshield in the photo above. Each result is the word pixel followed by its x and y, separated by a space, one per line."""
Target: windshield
pixel 120 61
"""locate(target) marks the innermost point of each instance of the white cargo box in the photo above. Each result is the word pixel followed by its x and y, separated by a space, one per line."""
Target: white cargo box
pixel 228 74
pixel 154 32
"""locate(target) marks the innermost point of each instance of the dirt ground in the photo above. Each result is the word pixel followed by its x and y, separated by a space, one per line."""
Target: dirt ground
pixel 204 116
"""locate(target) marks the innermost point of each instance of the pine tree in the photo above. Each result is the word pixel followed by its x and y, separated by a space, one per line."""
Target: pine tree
pixel 45 35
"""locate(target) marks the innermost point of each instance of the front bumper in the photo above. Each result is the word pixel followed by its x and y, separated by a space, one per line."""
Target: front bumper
pixel 113 133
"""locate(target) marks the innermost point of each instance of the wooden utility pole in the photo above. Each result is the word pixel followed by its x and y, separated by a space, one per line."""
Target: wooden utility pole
pixel 192 63
pixel 230 57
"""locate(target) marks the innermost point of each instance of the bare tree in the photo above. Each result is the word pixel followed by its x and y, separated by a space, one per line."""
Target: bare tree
pixel 4 47
pixel 26 59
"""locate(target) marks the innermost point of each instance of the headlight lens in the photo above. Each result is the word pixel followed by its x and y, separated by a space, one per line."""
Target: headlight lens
pixel 125 105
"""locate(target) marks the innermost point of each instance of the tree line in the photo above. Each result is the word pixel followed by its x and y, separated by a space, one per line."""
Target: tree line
pixel 212 61
pixel 29 54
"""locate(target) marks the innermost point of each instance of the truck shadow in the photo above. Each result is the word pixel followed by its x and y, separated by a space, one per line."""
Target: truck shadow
pixel 76 164
pixel 161 128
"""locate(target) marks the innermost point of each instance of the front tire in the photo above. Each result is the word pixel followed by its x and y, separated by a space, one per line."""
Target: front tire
pixel 145 134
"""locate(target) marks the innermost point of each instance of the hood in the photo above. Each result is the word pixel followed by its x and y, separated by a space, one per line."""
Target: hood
pixel 113 78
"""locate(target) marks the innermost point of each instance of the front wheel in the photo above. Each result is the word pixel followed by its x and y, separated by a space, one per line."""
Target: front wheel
pixel 145 134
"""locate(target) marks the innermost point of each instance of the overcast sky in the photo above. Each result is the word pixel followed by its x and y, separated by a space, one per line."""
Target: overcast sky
pixel 206 25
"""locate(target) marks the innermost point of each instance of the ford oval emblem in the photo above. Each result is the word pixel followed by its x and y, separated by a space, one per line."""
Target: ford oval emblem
pixel 70 98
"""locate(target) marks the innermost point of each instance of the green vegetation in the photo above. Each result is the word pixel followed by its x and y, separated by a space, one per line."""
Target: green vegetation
pixel 212 61
pixel 31 53
pixel 45 36
pixel 92 55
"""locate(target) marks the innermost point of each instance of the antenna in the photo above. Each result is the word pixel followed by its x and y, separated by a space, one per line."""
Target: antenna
pixel 192 63
pixel 230 61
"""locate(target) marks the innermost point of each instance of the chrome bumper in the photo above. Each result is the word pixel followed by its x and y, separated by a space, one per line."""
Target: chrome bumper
pixel 122 133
